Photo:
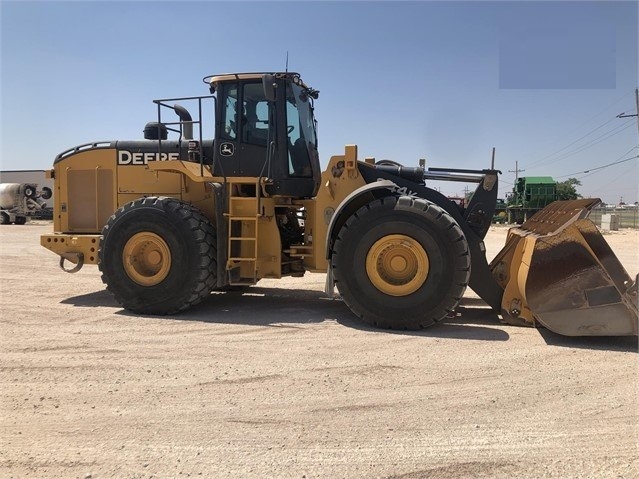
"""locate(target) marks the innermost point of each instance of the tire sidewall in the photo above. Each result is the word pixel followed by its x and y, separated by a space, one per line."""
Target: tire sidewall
pixel 182 276
pixel 386 217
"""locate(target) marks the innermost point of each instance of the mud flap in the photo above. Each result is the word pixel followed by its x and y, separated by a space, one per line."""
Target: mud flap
pixel 558 271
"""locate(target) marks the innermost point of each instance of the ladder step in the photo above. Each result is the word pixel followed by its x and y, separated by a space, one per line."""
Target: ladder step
pixel 299 250
pixel 242 240
pixel 242 218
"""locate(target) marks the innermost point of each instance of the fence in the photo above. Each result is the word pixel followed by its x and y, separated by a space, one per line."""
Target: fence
pixel 628 217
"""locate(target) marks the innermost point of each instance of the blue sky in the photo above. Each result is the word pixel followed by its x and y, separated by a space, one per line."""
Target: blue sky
pixel 542 82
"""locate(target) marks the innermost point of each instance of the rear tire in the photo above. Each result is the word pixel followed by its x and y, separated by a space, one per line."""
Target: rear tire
pixel 4 219
pixel 401 263
pixel 21 220
pixel 158 256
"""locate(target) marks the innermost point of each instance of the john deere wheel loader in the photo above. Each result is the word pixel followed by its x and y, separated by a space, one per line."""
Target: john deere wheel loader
pixel 169 220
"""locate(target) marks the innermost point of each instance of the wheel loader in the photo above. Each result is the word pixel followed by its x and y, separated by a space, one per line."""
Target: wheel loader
pixel 169 220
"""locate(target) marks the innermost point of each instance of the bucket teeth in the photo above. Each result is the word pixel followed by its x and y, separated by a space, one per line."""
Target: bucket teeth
pixel 559 215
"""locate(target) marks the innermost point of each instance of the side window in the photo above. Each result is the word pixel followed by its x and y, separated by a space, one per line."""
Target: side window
pixel 292 121
pixel 254 114
pixel 230 113
pixel 294 140
pixel 299 163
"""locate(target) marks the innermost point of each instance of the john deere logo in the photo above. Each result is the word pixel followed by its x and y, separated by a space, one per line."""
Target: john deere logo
pixel 227 149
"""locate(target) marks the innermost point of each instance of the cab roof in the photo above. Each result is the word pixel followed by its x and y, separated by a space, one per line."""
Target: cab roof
pixel 213 80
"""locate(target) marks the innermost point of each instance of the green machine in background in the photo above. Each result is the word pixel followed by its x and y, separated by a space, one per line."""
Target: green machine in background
pixel 532 193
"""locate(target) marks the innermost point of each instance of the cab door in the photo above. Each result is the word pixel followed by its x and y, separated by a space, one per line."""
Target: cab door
pixel 242 130
pixel 254 130
pixel 226 157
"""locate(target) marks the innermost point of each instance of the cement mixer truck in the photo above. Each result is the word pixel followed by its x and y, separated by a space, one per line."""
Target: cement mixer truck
pixel 21 200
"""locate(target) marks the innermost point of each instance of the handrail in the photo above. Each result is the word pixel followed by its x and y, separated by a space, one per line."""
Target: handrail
pixel 198 121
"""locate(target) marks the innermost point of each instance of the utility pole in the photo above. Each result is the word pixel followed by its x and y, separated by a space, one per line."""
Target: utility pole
pixel 623 115
pixel 516 171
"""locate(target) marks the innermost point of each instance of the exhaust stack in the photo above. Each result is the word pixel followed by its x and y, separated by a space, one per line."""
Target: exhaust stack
pixel 185 120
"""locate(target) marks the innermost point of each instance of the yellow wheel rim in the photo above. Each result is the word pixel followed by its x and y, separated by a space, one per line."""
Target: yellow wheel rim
pixel 397 265
pixel 146 258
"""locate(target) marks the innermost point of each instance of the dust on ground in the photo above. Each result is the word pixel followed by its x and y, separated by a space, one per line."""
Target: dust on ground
pixel 281 382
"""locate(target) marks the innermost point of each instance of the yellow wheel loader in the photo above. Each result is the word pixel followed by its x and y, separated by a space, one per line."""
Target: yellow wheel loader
pixel 167 221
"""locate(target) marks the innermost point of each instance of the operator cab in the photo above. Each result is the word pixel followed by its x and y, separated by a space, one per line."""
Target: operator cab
pixel 265 128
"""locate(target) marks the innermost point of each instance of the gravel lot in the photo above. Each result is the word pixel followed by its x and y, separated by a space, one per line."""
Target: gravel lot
pixel 281 382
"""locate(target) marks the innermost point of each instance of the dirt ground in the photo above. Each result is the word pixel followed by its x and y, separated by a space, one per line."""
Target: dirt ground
pixel 281 382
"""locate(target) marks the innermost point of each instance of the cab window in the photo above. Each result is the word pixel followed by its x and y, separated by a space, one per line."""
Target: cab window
pixel 299 162
pixel 229 121
pixel 254 115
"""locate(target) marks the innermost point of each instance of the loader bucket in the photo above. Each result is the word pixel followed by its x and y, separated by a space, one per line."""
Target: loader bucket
pixel 558 271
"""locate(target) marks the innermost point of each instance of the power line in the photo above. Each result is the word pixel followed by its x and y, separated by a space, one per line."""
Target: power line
pixel 585 123
pixel 624 115
pixel 609 107
pixel 605 185
pixel 599 139
pixel 614 162
pixel 541 160
pixel 595 141
pixel 592 171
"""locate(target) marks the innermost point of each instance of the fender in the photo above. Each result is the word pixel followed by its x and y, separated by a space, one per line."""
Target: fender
pixel 481 279
pixel 353 202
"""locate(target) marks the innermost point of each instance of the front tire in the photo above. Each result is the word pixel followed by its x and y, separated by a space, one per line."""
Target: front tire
pixel 401 263
pixel 158 256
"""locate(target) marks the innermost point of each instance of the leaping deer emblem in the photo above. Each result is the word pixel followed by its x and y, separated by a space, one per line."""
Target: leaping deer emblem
pixel 227 149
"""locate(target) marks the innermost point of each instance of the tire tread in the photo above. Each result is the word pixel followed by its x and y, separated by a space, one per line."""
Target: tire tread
pixel 453 234
pixel 203 234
